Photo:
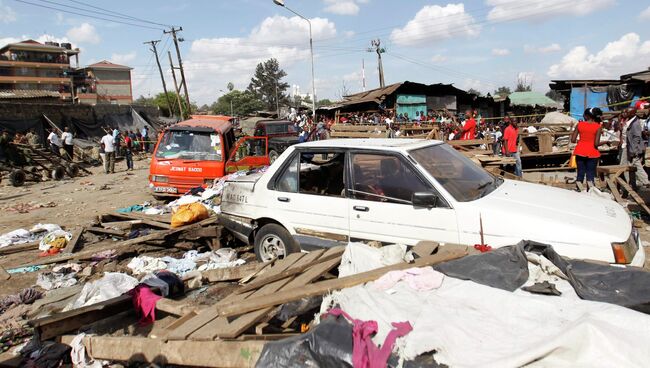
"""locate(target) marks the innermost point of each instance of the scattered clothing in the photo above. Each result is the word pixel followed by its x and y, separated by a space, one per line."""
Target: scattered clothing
pixel 144 302
pixel 112 285
pixel 421 279
pixel 78 354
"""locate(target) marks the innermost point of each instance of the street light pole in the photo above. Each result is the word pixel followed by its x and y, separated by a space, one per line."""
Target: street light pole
pixel 311 50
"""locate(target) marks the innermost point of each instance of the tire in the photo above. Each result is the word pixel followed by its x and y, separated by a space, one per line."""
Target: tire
pixel 273 155
pixel 17 178
pixel 58 173
pixel 72 170
pixel 272 241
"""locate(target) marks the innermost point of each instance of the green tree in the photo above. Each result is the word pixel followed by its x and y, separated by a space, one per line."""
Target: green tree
pixel 523 85
pixel 145 101
pixel 555 95
pixel 267 83
pixel 502 91
pixel 323 102
pixel 474 92
pixel 161 102
pixel 243 103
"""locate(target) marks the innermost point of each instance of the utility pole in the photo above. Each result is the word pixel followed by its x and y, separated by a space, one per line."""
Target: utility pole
pixel 376 47
pixel 363 74
pixel 178 92
pixel 180 64
pixel 162 76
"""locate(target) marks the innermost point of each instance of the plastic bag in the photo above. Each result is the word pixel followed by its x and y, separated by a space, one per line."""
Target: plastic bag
pixel 189 214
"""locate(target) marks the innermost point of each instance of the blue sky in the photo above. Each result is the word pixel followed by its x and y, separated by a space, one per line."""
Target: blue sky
pixel 480 44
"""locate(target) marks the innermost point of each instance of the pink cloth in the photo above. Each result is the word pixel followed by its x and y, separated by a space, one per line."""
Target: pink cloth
pixel 365 354
pixel 420 279
pixel 144 302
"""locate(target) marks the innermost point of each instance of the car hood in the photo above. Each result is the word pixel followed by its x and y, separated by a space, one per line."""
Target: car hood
pixel 539 212
pixel 250 178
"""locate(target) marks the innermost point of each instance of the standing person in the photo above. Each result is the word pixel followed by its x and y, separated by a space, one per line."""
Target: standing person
pixel 469 128
pixel 66 138
pixel 145 139
pixel 587 133
pixel 128 151
pixel 32 138
pixel 55 143
pixel 511 146
pixel 623 124
pixel 108 145
pixel 636 149
pixel 4 146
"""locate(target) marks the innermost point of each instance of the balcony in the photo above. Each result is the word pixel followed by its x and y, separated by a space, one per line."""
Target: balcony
pixel 37 80
pixel 33 64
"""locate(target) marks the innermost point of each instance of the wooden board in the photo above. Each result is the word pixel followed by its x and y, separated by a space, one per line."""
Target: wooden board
pixel 357 128
pixel 101 230
pixel 227 354
pixel 635 195
pixel 358 135
pixel 614 190
pixel 17 248
pixel 69 248
pixel 231 273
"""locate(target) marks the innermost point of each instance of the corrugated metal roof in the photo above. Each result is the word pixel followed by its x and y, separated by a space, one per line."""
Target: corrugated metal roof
pixel 531 99
pixel 27 93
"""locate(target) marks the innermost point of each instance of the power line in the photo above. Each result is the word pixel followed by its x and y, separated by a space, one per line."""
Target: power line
pixel 119 14
pixel 86 15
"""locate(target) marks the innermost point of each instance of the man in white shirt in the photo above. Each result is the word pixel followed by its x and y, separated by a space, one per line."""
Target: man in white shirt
pixel 108 145
pixel 66 138
pixel 55 143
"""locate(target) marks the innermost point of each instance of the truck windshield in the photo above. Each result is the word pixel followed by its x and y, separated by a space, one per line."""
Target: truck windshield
pixel 461 177
pixel 188 145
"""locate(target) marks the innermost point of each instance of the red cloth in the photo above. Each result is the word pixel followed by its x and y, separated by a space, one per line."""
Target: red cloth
pixel 587 132
pixel 510 138
pixel 469 130
pixel 365 354
pixel 144 302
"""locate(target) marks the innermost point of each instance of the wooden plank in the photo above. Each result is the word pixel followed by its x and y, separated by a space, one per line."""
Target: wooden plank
pixel 222 327
pixel 290 293
pixel 358 135
pixel 101 230
pixel 179 322
pixel 226 354
pixel 4 275
pixel 635 195
pixel 231 273
pixel 17 248
pixel 141 216
pixel 69 248
pixel 357 128
pixel 614 190
pixel 208 315
pixel 468 142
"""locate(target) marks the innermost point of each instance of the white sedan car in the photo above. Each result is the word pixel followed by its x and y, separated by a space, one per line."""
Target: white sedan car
pixel 325 193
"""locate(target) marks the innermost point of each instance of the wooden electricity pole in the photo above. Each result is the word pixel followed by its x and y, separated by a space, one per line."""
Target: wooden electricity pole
pixel 376 47
pixel 180 64
pixel 178 92
pixel 162 76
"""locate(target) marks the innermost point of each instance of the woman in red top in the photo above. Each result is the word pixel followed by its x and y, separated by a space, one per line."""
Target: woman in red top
pixel 587 133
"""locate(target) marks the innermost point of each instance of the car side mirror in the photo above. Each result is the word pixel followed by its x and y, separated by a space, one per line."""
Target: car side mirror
pixel 424 199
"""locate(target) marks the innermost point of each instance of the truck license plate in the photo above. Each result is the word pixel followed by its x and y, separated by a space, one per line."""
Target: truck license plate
pixel 165 190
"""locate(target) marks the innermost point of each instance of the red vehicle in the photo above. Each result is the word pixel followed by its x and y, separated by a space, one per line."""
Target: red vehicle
pixel 194 152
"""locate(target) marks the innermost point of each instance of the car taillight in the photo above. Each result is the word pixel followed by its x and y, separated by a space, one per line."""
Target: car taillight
pixel 160 179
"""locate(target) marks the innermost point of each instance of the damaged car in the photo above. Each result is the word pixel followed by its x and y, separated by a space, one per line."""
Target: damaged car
pixel 326 193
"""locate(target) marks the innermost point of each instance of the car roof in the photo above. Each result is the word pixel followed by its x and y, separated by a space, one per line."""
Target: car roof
pixel 393 144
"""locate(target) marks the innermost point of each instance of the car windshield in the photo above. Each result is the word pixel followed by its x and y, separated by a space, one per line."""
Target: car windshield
pixel 461 177
pixel 188 145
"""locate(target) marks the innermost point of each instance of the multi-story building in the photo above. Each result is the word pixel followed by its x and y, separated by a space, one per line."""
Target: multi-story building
pixel 33 66
pixel 104 82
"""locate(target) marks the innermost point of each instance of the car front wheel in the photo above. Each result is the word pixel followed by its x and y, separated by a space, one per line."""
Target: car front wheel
pixel 274 241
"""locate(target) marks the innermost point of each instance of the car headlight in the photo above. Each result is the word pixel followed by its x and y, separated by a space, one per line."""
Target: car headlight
pixel 624 252
pixel 160 179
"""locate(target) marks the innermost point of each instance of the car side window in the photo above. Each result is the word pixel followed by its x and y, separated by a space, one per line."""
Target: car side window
pixel 288 181
pixel 322 173
pixel 384 178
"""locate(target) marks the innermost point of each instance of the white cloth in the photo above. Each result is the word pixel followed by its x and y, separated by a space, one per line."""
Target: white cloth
pixel 145 264
pixel 109 143
pixel 66 137
pixel 54 139
pixel 112 285
pixel 373 257
pixel 78 354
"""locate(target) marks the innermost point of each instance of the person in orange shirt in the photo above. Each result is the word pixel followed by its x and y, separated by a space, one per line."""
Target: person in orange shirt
pixel 469 128
pixel 511 146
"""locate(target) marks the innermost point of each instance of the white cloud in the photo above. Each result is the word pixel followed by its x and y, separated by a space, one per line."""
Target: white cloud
pixel 7 15
pixel 123 59
pixel 500 52
pixel 84 33
pixel 434 23
pixel 216 61
pixel 438 58
pixel 341 7
pixel 530 49
pixel 645 15
pixel 540 10
pixel 42 39
pixel 625 55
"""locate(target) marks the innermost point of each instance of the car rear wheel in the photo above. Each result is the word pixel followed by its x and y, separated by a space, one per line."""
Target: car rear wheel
pixel 273 155
pixel 274 241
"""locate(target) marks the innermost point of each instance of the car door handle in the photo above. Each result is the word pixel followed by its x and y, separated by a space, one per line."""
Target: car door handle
pixel 283 199
pixel 361 208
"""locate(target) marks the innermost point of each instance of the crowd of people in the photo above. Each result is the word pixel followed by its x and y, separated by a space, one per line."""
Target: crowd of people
pixel 125 144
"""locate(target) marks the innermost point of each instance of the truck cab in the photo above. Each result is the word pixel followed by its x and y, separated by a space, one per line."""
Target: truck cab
pixel 195 152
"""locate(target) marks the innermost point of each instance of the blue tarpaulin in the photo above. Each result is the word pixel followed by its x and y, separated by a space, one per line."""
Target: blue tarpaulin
pixel 593 99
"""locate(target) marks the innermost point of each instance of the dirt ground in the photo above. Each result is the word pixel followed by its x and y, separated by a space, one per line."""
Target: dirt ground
pixel 74 201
